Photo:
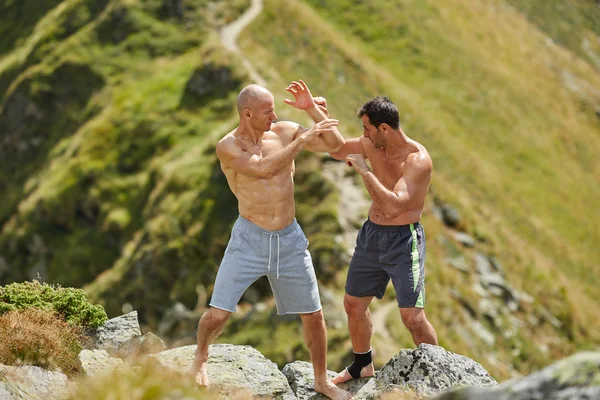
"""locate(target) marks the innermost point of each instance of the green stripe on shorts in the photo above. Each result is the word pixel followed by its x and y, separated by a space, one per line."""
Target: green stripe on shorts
pixel 416 265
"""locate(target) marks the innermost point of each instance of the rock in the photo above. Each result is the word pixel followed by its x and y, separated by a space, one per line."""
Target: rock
pixel 232 368
pixel 142 345
pixel 576 377
pixel 431 370
pixel 301 377
pixel 450 215
pixel 31 383
pixel 116 333
pixel 98 362
pixel 375 388
pixel 464 239
pixel 459 263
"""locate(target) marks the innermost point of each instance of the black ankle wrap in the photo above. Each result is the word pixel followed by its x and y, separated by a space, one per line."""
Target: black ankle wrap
pixel 361 360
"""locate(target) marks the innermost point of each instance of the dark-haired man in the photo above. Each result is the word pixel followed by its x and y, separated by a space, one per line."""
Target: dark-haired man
pixel 391 243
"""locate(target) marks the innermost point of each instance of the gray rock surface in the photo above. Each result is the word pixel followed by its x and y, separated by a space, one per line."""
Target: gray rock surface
pixel 301 377
pixel 430 370
pixel 574 378
pixel 98 362
pixel 31 383
pixel 117 332
pixel 232 368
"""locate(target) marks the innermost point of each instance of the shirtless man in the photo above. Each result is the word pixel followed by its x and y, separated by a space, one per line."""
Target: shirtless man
pixel 391 243
pixel 257 158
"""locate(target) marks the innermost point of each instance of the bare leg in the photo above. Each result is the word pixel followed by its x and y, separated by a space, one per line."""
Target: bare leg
pixel 210 326
pixel 418 325
pixel 361 329
pixel 315 337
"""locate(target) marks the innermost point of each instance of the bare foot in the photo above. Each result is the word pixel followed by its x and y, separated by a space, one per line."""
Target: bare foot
pixel 344 376
pixel 332 391
pixel 200 373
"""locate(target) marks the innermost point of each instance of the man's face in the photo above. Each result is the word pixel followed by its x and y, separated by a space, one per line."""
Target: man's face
pixel 263 113
pixel 372 133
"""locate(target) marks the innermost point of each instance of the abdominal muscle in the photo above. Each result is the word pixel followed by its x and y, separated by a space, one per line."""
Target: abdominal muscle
pixel 408 217
pixel 268 203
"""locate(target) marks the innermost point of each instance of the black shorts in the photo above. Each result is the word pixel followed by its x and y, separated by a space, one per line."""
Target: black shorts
pixel 389 251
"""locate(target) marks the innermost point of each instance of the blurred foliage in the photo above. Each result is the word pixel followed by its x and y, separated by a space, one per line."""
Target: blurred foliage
pixel 69 303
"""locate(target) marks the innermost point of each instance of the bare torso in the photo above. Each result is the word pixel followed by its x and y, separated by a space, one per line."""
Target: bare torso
pixel 389 171
pixel 268 203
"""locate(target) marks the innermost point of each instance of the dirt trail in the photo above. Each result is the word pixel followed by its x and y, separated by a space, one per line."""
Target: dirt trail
pixel 229 34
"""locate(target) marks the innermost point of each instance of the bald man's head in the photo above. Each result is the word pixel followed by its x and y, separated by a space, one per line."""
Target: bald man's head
pixel 251 96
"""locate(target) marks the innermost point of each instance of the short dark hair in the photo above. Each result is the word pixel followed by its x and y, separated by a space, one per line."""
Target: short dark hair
pixel 380 110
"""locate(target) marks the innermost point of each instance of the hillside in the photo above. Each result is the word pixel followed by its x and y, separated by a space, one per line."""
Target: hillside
pixel 109 112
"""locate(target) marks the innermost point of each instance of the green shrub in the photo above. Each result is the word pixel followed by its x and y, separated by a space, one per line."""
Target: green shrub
pixel 69 303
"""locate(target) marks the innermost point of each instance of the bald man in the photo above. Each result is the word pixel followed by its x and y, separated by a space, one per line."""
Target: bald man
pixel 257 158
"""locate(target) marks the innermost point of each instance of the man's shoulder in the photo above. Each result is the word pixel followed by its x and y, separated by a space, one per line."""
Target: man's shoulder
pixel 285 127
pixel 227 145
pixel 419 161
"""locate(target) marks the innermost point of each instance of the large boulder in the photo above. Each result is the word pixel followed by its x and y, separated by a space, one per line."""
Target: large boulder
pixel 117 333
pixel 98 362
pixel 426 370
pixel 574 378
pixel 232 369
pixel 32 383
pixel 301 377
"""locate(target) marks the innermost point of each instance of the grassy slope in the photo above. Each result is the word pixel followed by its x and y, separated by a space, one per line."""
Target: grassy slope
pixel 113 181
pixel 513 148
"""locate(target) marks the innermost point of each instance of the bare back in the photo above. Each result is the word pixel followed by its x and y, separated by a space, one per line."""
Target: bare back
pixel 410 173
pixel 267 202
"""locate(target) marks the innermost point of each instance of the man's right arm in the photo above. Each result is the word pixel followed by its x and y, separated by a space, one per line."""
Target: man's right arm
pixel 251 165
pixel 351 146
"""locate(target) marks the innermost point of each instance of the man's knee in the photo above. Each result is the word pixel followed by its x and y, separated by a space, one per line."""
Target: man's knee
pixel 355 306
pixel 315 318
pixel 413 319
pixel 215 317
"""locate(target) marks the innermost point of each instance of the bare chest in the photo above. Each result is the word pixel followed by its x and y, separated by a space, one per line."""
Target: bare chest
pixel 387 171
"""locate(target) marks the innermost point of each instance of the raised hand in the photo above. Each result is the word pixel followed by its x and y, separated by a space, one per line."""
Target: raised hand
pixel 302 95
pixel 320 128
pixel 357 161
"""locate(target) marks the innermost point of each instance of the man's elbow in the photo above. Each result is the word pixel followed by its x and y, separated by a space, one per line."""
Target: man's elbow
pixel 337 153
pixel 393 211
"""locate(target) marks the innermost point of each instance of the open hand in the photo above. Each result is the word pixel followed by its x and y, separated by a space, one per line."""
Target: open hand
pixel 358 162
pixel 320 128
pixel 304 99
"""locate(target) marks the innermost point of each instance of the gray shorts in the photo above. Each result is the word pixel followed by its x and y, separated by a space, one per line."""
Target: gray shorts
pixel 383 252
pixel 281 255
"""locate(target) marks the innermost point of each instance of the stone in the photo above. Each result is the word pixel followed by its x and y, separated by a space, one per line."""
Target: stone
pixel 301 377
pixel 451 216
pixel 117 332
pixel 430 370
pixel 464 238
pixel 32 383
pixel 573 378
pixel 98 362
pixel 232 369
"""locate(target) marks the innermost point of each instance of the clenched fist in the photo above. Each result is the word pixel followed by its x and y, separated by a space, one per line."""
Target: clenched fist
pixel 357 161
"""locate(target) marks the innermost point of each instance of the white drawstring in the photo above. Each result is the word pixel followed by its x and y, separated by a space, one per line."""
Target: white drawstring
pixel 269 266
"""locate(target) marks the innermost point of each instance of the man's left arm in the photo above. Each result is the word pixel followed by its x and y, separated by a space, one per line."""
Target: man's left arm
pixel 329 142
pixel 393 202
